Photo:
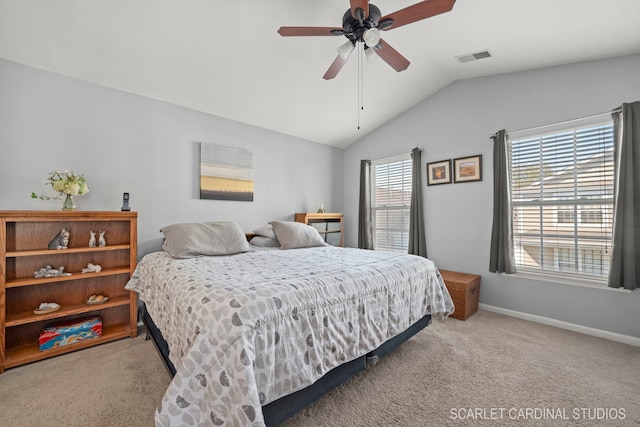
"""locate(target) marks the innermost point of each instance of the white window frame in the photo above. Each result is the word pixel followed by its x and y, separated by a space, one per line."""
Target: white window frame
pixel 594 216
pixel 383 207
pixel 565 216
pixel 602 202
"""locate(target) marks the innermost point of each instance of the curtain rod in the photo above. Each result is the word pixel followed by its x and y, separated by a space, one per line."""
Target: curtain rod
pixel 397 156
pixel 617 110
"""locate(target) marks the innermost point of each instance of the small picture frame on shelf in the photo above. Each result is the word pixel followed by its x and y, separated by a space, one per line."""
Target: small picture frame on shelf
pixel 439 172
pixel 467 169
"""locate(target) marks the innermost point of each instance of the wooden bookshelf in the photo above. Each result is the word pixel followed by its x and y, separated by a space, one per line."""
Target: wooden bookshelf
pixel 24 236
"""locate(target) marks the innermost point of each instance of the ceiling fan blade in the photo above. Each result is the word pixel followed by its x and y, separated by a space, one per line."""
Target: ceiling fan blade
pixel 359 4
pixel 335 68
pixel 424 9
pixel 310 31
pixel 392 56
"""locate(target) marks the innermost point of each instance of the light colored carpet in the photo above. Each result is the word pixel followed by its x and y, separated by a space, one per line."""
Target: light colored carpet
pixel 114 384
pixel 508 370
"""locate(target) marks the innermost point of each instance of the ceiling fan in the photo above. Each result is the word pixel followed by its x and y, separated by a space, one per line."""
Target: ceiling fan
pixel 363 23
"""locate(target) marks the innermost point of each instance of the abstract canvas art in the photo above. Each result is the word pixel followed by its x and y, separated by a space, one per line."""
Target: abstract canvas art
pixel 226 173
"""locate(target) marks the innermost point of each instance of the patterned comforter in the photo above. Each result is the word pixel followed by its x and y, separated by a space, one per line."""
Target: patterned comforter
pixel 246 329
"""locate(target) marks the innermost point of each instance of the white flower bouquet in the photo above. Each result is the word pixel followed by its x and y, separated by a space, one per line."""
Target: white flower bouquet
pixel 66 184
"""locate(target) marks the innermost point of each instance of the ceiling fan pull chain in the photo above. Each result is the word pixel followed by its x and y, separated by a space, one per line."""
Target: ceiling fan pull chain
pixel 361 76
pixel 360 87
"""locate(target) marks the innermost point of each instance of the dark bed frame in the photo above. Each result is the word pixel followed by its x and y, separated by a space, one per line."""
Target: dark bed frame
pixel 279 410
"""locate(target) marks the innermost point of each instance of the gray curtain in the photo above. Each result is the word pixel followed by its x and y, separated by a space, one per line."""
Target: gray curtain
pixel 501 258
pixel 417 238
pixel 365 233
pixel 625 255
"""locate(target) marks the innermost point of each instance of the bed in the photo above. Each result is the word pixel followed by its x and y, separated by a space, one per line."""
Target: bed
pixel 252 333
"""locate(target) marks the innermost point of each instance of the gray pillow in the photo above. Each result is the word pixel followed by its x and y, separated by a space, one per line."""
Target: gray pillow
pixel 265 242
pixel 266 231
pixel 292 235
pixel 208 238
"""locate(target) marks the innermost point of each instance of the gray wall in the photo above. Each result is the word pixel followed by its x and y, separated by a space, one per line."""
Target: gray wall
pixel 124 142
pixel 457 122
pixel 127 143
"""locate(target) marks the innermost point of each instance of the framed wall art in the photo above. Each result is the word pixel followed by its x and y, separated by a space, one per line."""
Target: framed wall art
pixel 467 169
pixel 226 173
pixel 439 172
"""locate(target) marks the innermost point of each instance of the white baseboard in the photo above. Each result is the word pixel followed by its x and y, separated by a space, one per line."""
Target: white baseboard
pixel 626 339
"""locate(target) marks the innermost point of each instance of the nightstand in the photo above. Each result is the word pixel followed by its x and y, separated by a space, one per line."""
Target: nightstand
pixel 329 225
pixel 465 292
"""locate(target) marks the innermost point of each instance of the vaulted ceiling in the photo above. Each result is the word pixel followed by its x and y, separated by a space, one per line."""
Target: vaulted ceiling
pixel 226 57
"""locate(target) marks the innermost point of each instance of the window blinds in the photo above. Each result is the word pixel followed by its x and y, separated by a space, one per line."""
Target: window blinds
pixel 391 204
pixel 562 199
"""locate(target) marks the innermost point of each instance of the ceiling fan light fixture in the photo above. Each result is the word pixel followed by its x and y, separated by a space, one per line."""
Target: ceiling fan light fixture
pixel 371 37
pixel 362 23
pixel 345 50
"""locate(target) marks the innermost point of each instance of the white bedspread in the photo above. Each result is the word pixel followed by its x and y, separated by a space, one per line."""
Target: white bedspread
pixel 246 329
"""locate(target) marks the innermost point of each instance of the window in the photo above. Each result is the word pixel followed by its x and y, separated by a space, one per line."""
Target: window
pixel 593 261
pixel 566 216
pixel 391 200
pixel 591 216
pixel 562 200
pixel 566 259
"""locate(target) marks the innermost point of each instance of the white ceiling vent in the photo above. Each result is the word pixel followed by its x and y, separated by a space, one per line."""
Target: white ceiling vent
pixel 474 56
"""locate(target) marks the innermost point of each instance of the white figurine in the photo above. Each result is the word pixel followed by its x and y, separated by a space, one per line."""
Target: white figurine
pixel 101 241
pixel 92 240
pixel 92 268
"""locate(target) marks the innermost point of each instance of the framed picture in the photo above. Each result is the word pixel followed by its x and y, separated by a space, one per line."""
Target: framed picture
pixel 439 172
pixel 467 169
pixel 226 173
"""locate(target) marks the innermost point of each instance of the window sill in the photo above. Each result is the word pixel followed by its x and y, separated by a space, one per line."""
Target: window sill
pixel 566 280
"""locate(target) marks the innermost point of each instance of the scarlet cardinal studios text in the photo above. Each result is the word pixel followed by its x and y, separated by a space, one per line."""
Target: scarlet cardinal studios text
pixel 537 413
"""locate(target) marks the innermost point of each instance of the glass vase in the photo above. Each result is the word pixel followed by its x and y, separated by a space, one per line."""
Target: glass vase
pixel 68 204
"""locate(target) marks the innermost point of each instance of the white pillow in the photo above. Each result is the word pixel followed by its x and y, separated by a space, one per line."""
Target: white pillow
pixel 265 242
pixel 266 231
pixel 208 238
pixel 292 235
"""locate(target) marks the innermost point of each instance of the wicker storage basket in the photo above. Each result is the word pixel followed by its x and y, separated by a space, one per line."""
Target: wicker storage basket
pixel 464 290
